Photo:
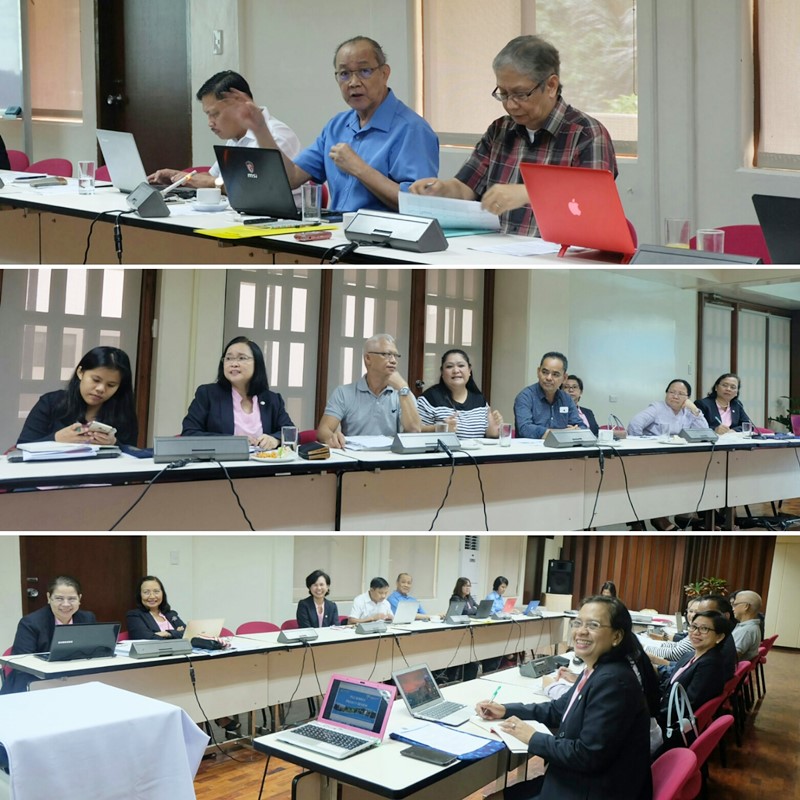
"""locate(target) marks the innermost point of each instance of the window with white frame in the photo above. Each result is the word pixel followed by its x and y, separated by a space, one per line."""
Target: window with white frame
pixel 279 310
pixel 596 41
pixel 778 89
pixel 50 318
pixel 453 318
pixel 366 302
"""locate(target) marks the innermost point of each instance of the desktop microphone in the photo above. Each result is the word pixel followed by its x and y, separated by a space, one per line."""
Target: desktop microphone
pixel 443 446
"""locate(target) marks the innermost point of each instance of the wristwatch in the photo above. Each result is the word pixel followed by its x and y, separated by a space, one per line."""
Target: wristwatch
pixel 404 391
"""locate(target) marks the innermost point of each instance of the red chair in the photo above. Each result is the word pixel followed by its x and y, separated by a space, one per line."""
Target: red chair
pixel 225 632
pixel 742 240
pixel 18 160
pixel 6 669
pixel 705 713
pixel 289 625
pixel 256 626
pixel 703 747
pixel 761 680
pixel 325 195
pixel 124 636
pixel 305 437
pixel 671 771
pixel 734 701
pixel 102 174
pixel 197 169
pixel 52 166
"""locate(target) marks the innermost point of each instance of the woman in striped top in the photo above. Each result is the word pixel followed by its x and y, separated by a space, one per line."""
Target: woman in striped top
pixel 458 401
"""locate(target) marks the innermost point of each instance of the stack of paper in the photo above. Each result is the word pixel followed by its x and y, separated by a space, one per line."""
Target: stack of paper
pixel 48 451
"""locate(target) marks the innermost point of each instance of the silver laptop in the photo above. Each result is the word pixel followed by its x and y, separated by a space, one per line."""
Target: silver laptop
pixel 423 699
pixel 406 612
pixel 353 717
pixel 125 164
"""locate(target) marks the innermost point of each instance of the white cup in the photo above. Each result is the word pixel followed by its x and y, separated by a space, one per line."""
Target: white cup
pixel 605 436
pixel 312 203
pixel 209 197
pixel 663 432
pixel 86 177
pixel 747 429
pixel 505 434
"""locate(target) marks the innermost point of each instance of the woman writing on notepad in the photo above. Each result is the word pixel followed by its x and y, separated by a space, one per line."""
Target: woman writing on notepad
pixel 240 402
pixel 100 391
pixel 35 630
pixel 457 401
pixel 601 748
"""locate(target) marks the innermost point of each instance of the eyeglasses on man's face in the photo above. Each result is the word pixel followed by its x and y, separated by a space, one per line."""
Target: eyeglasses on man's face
pixel 60 599
pixel 385 354
pixel 517 97
pixel 365 73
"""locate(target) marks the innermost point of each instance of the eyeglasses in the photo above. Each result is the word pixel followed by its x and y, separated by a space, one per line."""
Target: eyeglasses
pixel 71 601
pixel 590 625
pixel 344 75
pixel 677 394
pixel 237 359
pixel 569 387
pixel 517 97
pixel 701 629
pixel 386 355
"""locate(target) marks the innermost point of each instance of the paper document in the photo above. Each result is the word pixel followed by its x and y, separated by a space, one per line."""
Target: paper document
pixel 440 737
pixel 368 442
pixel 47 451
pixel 511 742
pixel 523 246
pixel 450 212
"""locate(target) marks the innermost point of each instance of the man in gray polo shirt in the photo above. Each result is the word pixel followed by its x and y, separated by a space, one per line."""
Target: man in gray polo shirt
pixel 378 403
pixel 747 634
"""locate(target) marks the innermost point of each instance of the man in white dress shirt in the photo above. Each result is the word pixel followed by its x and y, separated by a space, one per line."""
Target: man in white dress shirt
pixel 226 111
pixel 372 605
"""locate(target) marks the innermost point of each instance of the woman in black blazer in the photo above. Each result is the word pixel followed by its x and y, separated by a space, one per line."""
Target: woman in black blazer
pixel 463 592
pixel 153 618
pixel 573 386
pixel 242 385
pixel 35 630
pixel 316 611
pixel 723 399
pixel 601 748
pixel 701 673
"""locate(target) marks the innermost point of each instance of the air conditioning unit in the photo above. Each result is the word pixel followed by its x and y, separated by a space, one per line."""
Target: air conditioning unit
pixel 470 563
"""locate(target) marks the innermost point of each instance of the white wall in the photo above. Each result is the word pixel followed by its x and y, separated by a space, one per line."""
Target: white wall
pixel 10 600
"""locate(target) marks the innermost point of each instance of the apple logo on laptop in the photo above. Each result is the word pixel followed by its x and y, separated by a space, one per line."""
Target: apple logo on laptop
pixel 574 208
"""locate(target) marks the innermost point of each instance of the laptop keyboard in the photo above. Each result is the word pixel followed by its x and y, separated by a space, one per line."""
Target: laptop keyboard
pixel 329 736
pixel 444 709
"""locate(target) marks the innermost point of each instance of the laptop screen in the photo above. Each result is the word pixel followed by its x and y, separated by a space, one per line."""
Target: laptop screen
pixel 357 705
pixel 417 686
pixel 84 640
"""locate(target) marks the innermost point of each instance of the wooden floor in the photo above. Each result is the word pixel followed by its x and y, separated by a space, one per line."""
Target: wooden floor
pixel 767 765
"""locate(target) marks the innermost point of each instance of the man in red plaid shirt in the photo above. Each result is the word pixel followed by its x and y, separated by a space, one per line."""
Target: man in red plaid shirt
pixel 539 127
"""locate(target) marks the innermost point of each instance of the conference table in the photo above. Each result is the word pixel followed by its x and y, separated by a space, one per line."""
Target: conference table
pixel 260 671
pixel 383 772
pixel 50 226
pixel 525 486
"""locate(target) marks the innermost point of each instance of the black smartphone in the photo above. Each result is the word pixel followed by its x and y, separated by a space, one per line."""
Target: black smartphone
pixel 438 757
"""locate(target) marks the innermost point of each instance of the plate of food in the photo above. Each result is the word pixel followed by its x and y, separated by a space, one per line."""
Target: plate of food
pixel 273 456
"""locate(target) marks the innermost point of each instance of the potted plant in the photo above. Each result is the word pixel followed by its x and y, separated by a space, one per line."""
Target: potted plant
pixel 705 586
pixel 792 407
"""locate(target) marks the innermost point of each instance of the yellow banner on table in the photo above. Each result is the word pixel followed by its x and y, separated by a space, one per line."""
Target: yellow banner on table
pixel 251 231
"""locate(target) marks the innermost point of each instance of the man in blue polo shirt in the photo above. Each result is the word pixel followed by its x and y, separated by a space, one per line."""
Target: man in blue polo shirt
pixel 371 153
pixel 379 403
pixel 545 405
pixel 402 592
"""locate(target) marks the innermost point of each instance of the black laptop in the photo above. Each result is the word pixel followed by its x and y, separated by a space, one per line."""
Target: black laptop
pixel 82 640
pixel 780 224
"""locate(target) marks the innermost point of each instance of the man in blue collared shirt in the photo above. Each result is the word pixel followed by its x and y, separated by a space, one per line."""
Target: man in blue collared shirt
pixel 367 155
pixel 402 592
pixel 544 405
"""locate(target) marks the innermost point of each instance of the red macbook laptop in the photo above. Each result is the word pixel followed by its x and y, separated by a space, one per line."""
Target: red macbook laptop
pixel 578 207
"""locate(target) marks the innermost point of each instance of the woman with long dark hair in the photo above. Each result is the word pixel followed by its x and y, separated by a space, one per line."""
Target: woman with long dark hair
pixel 457 400
pixel 240 402
pixel 722 407
pixel 99 391
pixel 602 745
pixel 153 617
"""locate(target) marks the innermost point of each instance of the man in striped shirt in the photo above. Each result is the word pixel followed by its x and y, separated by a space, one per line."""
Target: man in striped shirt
pixel 539 127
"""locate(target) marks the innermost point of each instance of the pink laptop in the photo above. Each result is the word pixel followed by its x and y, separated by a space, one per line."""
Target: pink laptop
pixel 352 718
pixel 795 420
pixel 578 207
pixel 509 605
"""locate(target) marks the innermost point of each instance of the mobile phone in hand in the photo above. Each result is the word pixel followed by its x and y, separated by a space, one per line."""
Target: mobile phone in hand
pixel 102 427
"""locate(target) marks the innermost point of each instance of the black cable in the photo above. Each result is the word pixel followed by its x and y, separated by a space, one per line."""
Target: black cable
pixel 340 251
pixel 480 483
pixel 192 677
pixel 627 492
pixel 447 491
pixel 375 663
pixel 119 212
pixel 235 494
pixel 306 648
pixel 264 776
pixel 314 664
pixel 397 642
pixel 705 478
pixel 602 463
pixel 171 465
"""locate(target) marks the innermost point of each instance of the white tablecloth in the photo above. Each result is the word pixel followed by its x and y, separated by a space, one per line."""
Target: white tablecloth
pixel 97 741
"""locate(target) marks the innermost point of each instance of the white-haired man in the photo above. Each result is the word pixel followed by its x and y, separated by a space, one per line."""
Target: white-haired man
pixel 378 403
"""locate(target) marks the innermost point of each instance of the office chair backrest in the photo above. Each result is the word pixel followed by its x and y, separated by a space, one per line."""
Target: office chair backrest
pixel 671 771
pixel 52 166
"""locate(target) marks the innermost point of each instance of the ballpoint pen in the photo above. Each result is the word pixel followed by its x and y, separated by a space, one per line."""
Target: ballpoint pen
pixel 177 183
pixel 494 694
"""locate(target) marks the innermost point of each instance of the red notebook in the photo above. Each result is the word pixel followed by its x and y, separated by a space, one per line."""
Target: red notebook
pixel 578 207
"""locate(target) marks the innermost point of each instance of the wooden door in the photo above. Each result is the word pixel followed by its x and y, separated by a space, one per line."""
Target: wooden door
pixel 108 568
pixel 143 77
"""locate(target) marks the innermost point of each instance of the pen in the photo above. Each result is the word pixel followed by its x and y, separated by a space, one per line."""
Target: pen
pixel 494 694
pixel 183 179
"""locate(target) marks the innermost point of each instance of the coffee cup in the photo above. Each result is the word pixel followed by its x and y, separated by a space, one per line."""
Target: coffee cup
pixel 209 197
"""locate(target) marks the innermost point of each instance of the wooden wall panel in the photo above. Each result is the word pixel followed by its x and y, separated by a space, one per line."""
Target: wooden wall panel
pixel 651 571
